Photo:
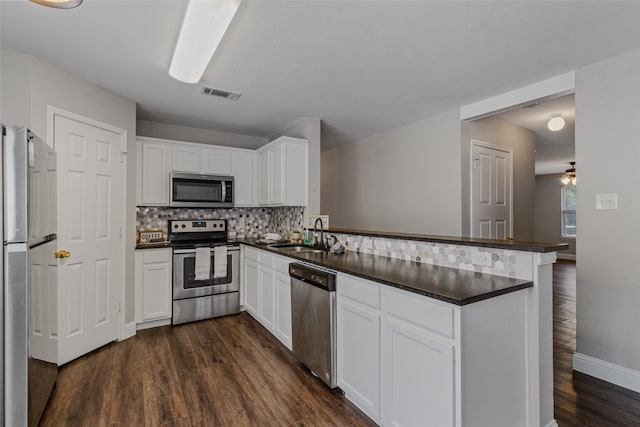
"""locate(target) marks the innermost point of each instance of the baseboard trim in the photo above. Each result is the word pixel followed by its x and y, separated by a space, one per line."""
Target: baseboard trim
pixel 570 257
pixel 607 371
pixel 129 331
pixel 552 423
pixel 153 324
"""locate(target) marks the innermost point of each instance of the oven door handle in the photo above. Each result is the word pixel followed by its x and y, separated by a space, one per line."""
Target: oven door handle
pixel 192 251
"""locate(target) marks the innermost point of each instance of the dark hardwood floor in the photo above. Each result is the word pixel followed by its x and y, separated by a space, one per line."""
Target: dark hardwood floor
pixel 227 371
pixel 231 372
pixel 582 400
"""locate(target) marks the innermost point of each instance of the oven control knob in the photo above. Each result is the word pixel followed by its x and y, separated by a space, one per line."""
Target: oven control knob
pixel 175 225
pixel 184 226
pixel 215 225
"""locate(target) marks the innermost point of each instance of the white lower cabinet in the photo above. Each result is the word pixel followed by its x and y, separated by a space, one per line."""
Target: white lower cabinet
pixel 266 291
pixel 282 327
pixel 417 377
pixel 358 345
pixel 267 297
pixel 153 272
pixel 251 281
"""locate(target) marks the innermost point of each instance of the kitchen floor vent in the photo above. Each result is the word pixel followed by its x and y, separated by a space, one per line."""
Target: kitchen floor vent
pixel 221 93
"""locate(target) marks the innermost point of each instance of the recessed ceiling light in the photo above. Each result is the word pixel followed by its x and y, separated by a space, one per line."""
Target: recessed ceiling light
pixel 203 27
pixel 555 123
pixel 59 4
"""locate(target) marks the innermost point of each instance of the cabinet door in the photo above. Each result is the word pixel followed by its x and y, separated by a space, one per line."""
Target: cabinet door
pixel 295 174
pixel 251 287
pixel 358 345
pixel 186 159
pixel 277 164
pixel 267 297
pixel 216 161
pixel 154 175
pixel 283 309
pixel 264 178
pixel 243 172
pixel 417 377
pixel 155 280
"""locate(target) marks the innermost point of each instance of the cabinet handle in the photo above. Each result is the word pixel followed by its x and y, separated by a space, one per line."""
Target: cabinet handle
pixel 61 254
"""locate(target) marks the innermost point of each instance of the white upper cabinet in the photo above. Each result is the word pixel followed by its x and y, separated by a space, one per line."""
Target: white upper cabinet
pixel 157 157
pixel 243 171
pixel 282 172
pixel 152 174
pixel 186 159
pixel 216 161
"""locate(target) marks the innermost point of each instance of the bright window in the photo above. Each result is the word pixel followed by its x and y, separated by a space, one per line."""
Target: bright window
pixel 568 210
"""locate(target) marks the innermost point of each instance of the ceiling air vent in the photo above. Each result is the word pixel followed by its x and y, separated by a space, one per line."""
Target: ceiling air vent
pixel 221 93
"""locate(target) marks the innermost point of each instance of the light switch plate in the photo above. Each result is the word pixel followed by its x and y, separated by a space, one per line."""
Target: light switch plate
pixel 311 219
pixel 606 201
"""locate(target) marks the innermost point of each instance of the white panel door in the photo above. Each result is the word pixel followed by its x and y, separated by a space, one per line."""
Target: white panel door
pixel 43 294
pixel 491 187
pixel 90 215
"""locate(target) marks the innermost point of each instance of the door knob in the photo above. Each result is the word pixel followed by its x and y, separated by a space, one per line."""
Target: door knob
pixel 61 254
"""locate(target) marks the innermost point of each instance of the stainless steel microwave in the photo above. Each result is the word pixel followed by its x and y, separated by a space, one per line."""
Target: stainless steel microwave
pixel 192 190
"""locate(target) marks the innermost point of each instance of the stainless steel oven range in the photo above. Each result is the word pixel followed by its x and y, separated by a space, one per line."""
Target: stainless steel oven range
pixel 206 270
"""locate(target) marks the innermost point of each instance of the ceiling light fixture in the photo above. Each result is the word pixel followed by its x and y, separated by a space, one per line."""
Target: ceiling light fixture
pixel 203 27
pixel 569 177
pixel 555 123
pixel 59 4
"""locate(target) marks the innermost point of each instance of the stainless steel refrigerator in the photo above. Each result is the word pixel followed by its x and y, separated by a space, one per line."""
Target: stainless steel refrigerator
pixel 29 271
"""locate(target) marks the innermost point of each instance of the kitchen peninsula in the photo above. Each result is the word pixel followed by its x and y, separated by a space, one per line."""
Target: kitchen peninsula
pixel 426 333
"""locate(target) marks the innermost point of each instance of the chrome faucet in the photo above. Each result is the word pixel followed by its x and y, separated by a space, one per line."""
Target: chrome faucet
pixel 315 233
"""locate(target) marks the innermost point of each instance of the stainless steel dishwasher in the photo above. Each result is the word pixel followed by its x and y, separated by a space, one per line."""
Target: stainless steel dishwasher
pixel 313 320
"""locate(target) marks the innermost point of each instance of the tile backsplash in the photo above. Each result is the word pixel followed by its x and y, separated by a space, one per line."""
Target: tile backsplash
pixel 503 262
pixel 241 222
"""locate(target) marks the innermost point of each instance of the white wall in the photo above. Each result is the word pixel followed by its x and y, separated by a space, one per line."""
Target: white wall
pixel 608 152
pixel 523 142
pixel 44 85
pixel 548 220
pixel 406 179
pixel 309 129
pixel 204 136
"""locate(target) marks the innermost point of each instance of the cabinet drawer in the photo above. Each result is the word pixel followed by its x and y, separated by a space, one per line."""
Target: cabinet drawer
pixel 419 311
pixel 252 254
pixel 150 256
pixel 359 290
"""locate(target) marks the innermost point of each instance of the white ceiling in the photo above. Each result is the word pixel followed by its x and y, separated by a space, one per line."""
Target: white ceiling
pixel 361 66
pixel 554 150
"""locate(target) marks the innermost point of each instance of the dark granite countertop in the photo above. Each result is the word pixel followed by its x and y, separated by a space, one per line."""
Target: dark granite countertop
pixel 156 245
pixel 459 287
pixel 514 245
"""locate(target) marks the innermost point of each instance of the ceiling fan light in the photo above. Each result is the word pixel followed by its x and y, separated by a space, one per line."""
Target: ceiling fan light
pixel 555 123
pixel 59 4
pixel 203 27
pixel 565 180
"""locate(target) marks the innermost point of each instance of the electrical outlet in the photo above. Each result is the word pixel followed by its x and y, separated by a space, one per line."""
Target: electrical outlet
pixel 481 258
pixel 241 222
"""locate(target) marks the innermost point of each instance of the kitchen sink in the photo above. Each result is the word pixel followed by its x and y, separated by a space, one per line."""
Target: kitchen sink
pixel 301 249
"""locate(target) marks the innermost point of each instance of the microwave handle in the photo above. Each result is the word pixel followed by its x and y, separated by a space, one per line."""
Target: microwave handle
pixel 224 190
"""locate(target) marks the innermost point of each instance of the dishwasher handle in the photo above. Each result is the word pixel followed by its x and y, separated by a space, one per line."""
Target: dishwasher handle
pixel 318 278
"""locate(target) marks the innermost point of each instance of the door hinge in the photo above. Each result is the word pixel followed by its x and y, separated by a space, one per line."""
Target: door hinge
pixel 121 232
pixel 119 307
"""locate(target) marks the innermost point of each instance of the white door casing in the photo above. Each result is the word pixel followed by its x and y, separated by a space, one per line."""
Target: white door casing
pixel 491 191
pixel 90 226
